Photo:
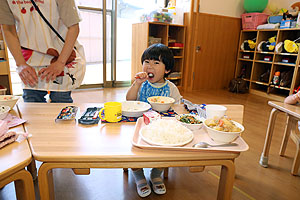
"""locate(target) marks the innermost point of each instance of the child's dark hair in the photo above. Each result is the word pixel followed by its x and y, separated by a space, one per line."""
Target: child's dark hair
pixel 159 52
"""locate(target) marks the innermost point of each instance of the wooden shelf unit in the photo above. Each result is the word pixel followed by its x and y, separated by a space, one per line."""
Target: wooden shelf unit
pixel 141 32
pixel 5 79
pixel 256 65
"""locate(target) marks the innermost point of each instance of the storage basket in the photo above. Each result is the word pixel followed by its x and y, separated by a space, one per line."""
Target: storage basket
pixel 252 20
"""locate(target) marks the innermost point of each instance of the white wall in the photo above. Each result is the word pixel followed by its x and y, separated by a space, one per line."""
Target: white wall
pixel 231 8
pixel 283 3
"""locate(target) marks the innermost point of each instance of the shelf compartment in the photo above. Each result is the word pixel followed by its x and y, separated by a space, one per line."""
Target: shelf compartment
pixel 159 31
pixel 283 69
pixel 246 55
pixel 260 74
pixel 247 35
pixel 264 35
pixel 267 58
pixel 244 69
pixel 176 33
pixel 285 60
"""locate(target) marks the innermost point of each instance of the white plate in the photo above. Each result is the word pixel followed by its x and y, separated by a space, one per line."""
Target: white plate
pixel 168 145
pixel 134 108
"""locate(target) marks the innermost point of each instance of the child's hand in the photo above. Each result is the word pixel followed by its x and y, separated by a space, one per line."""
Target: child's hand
pixel 141 77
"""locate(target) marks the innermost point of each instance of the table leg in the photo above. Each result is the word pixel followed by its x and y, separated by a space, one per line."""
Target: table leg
pixel 45 178
pixel 226 180
pixel 24 185
pixel 32 169
pixel 264 156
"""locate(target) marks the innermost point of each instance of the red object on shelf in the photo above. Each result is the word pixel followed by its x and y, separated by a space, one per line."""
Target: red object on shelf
pixel 268 58
pixel 175 44
pixel 252 20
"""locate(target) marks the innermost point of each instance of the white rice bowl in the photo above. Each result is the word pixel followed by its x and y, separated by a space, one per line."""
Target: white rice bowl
pixel 166 132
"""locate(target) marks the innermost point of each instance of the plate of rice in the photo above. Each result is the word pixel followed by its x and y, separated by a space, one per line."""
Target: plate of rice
pixel 166 132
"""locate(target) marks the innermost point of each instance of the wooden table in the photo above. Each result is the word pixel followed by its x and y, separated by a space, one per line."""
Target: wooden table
pixel 108 145
pixel 14 158
pixel 293 115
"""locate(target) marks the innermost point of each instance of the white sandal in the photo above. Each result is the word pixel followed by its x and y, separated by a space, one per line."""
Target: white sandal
pixel 158 185
pixel 143 188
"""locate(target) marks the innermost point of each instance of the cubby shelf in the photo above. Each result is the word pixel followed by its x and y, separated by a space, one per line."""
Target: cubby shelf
pixel 257 68
pixel 166 34
pixel 5 78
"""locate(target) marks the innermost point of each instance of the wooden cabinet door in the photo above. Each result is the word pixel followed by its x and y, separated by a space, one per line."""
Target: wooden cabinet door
pixel 215 50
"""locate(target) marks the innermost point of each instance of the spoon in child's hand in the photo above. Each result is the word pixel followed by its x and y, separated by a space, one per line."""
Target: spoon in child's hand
pixel 206 145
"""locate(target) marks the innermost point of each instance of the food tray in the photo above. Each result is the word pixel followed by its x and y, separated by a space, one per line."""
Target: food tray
pixel 199 136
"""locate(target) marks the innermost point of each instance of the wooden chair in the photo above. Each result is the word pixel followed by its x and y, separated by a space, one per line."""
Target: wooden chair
pixel 14 158
pixel 291 130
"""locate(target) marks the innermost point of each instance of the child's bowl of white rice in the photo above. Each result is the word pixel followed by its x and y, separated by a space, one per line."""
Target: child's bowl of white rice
pixel 166 132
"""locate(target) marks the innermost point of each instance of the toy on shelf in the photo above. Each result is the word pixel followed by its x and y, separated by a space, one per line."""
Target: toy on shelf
pixel 157 16
pixel 248 45
pixel 276 78
pixel 291 46
pixel 267 46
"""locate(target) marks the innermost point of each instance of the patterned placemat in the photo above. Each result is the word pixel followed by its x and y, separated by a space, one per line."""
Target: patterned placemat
pixel 169 113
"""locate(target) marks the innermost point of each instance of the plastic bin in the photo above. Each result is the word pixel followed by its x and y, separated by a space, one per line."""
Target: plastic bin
pixel 252 20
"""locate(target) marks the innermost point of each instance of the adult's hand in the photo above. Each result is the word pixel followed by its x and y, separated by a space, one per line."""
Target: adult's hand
pixel 27 75
pixel 52 71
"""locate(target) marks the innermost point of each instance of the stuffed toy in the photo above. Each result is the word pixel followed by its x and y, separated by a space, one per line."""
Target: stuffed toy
pixel 267 46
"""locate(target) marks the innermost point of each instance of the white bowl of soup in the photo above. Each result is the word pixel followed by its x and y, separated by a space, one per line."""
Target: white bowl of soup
pixel 160 103
pixel 223 130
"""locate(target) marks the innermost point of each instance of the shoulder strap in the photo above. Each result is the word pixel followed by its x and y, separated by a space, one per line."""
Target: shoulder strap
pixel 47 22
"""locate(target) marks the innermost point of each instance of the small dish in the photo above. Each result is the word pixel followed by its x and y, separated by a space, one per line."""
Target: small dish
pixel 188 122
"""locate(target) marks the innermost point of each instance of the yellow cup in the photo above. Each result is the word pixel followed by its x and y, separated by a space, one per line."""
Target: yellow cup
pixel 112 112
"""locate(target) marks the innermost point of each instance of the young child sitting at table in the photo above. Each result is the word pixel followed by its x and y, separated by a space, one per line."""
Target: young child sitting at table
pixel 157 61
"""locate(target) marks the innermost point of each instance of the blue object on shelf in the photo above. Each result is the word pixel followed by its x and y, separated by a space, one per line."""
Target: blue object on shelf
pixel 275 19
pixel 287 24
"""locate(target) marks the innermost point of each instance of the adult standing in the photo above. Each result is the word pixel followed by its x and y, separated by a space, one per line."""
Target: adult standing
pixel 44 62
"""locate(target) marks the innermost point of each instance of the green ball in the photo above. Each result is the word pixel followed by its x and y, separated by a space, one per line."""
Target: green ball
pixel 255 5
